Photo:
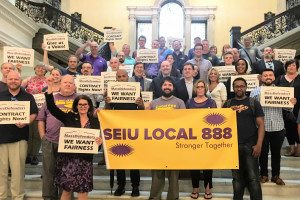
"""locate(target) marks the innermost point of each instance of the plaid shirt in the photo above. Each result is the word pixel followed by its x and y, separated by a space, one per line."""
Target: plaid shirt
pixel 273 115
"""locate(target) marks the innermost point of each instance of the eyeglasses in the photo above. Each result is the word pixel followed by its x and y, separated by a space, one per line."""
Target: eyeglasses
pixel 83 104
pixel 121 56
pixel 14 99
pixel 200 87
pixel 240 87
pixel 86 68
pixel 198 49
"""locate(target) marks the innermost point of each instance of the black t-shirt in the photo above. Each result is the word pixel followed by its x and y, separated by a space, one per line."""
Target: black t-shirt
pixel 246 126
pixel 3 87
pixel 9 132
pixel 123 106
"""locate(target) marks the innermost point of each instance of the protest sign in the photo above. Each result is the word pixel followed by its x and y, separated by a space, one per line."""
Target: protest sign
pixel 78 140
pixel 90 84
pixel 148 55
pixel 12 112
pixel 123 92
pixel 276 96
pixel 284 54
pixel 39 100
pixel 128 69
pixel 252 81
pixel 113 35
pixel 225 72
pixel 56 42
pixel 147 97
pixel 109 76
pixel 165 139
pixel 15 55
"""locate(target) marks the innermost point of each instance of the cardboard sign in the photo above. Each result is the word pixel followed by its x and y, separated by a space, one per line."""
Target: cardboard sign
pixel 56 42
pixel 78 140
pixel 252 81
pixel 276 96
pixel 15 55
pixel 123 92
pixel 128 69
pixel 225 72
pixel 39 100
pixel 284 54
pixel 12 112
pixel 113 35
pixel 148 55
pixel 147 97
pixel 90 84
pixel 165 139
pixel 109 76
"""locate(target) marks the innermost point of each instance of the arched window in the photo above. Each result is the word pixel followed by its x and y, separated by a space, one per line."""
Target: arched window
pixel 171 20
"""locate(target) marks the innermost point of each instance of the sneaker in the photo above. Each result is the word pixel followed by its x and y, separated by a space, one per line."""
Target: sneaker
pixel 277 180
pixel 119 191
pixel 34 161
pixel 135 192
pixel 264 179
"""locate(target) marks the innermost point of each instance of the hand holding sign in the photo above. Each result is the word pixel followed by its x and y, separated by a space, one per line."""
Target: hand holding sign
pixel 139 102
pixel 19 67
pixel 99 140
pixel 293 101
pixel 21 125
pixel 50 81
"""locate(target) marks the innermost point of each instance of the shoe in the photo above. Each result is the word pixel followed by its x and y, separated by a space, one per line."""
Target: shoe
pixel 28 160
pixel 135 192
pixel 196 195
pixel 291 153
pixel 206 195
pixel 119 191
pixel 297 154
pixel 277 180
pixel 34 161
pixel 101 162
pixel 264 179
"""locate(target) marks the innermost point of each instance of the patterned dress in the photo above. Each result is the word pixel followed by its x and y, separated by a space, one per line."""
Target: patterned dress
pixel 36 84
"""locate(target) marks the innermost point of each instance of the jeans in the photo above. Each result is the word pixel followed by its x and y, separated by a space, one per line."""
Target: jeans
pixel 273 140
pixel 246 175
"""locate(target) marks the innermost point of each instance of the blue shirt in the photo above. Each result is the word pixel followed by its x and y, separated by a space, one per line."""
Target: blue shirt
pixel 165 53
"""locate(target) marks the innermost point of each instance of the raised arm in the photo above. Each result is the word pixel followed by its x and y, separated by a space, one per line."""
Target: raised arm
pixel 79 51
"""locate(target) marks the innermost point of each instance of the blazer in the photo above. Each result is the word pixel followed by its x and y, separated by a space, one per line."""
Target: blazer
pixel 259 66
pixel 147 83
pixel 181 90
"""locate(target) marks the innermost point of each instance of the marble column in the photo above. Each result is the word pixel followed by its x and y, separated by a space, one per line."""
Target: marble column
pixel 211 28
pixel 132 32
pixel 154 27
pixel 187 32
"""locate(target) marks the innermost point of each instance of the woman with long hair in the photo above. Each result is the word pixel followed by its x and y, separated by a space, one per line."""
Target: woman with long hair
pixel 216 90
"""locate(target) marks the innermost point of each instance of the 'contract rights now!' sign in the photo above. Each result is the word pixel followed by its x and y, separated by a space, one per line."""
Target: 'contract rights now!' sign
pixel 170 139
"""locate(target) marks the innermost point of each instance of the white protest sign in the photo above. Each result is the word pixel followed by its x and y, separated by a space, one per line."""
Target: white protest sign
pixel 148 55
pixel 128 69
pixel 252 81
pixel 147 96
pixel 15 55
pixel 123 92
pixel 113 35
pixel 225 72
pixel 90 84
pixel 56 42
pixel 39 100
pixel 284 54
pixel 276 96
pixel 12 112
pixel 109 76
pixel 78 140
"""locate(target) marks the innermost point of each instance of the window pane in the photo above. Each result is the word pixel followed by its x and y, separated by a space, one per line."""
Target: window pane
pixel 145 29
pixel 171 21
pixel 198 29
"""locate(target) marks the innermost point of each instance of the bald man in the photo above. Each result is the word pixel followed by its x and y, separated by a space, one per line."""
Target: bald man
pixel 97 61
pixel 13 140
pixel 114 64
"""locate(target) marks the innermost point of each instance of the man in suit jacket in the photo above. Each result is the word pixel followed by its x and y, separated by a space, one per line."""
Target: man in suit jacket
pixel 139 69
pixel 184 86
pixel 267 63
pixel 165 69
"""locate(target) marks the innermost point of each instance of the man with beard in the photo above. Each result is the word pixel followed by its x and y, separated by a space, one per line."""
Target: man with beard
pixel 122 76
pixel 98 62
pixel 274 134
pixel 13 140
pixel 166 102
pixel 268 63
pixel 250 138
pixel 121 57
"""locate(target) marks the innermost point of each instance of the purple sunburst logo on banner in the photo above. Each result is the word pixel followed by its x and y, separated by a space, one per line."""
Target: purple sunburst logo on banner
pixel 214 119
pixel 121 150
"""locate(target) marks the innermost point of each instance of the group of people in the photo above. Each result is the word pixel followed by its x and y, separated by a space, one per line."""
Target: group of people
pixel 178 81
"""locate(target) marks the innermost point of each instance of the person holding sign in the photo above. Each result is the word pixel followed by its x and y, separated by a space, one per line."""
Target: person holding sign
pixel 274 132
pixel 74 172
pixel 13 140
pixel 122 76
pixel 291 79
pixel 250 138
pixel 201 101
pixel 138 76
